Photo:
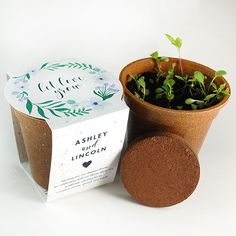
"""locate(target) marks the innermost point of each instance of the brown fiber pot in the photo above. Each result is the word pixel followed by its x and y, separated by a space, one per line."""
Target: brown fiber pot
pixel 144 117
pixel 34 142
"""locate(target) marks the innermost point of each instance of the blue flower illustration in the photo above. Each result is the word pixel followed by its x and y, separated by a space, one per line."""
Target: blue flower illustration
pixel 33 71
pixel 105 92
pixel 22 84
pixel 20 95
pixel 102 77
pixel 95 103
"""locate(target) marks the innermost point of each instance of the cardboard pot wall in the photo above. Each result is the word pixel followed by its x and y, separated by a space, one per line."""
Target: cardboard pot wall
pixel 144 117
pixel 37 139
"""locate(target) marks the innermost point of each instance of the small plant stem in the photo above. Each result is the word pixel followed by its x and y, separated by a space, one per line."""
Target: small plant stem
pixel 144 93
pixel 158 66
pixel 169 103
pixel 211 83
pixel 210 103
pixel 190 90
pixel 180 63
pixel 203 89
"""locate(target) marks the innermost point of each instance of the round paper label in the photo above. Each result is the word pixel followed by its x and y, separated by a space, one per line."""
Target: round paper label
pixel 64 91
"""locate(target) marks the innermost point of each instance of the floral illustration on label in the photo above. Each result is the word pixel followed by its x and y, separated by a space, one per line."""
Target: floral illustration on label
pixel 56 108
pixel 59 108
pixel 105 92
pixel 82 66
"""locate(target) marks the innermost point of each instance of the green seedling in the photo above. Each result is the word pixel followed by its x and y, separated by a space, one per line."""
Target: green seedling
pixel 166 90
pixel 185 78
pixel 170 72
pixel 217 94
pixel 155 56
pixel 179 107
pixel 141 85
pixel 177 43
pixel 200 79
pixel 220 92
pixel 182 92
pixel 195 104
pixel 218 73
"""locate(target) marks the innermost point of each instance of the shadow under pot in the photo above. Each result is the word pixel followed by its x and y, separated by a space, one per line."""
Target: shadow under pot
pixel 37 141
pixel 144 117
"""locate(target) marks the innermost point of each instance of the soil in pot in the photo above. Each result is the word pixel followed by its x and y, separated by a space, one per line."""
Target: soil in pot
pixel 181 92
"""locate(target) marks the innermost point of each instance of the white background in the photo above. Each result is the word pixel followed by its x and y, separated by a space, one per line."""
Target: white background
pixel 112 34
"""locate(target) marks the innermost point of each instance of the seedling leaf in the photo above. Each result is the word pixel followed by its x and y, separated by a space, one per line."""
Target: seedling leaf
pixel 179 77
pixel 154 55
pixel 169 82
pixel 159 90
pixel 189 101
pixel 171 39
pixel 141 82
pixel 199 77
pixel 214 86
pixel 220 73
pixel 178 42
pixel 221 88
pixel 209 97
pixel 225 92
pixel 164 59
pixel 170 96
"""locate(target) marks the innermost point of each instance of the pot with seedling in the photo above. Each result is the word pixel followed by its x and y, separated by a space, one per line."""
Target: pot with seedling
pixel 173 95
pixel 172 103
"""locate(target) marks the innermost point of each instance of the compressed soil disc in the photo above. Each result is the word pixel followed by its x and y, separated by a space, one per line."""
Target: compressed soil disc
pixel 160 170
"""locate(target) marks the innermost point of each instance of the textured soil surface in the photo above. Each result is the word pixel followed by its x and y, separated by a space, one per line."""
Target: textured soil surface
pixel 160 171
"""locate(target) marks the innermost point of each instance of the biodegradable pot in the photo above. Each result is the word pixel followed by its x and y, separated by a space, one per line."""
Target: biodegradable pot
pixel 34 137
pixel 19 138
pixel 144 117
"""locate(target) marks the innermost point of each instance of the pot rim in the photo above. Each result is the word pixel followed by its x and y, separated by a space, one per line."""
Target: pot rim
pixel 155 107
